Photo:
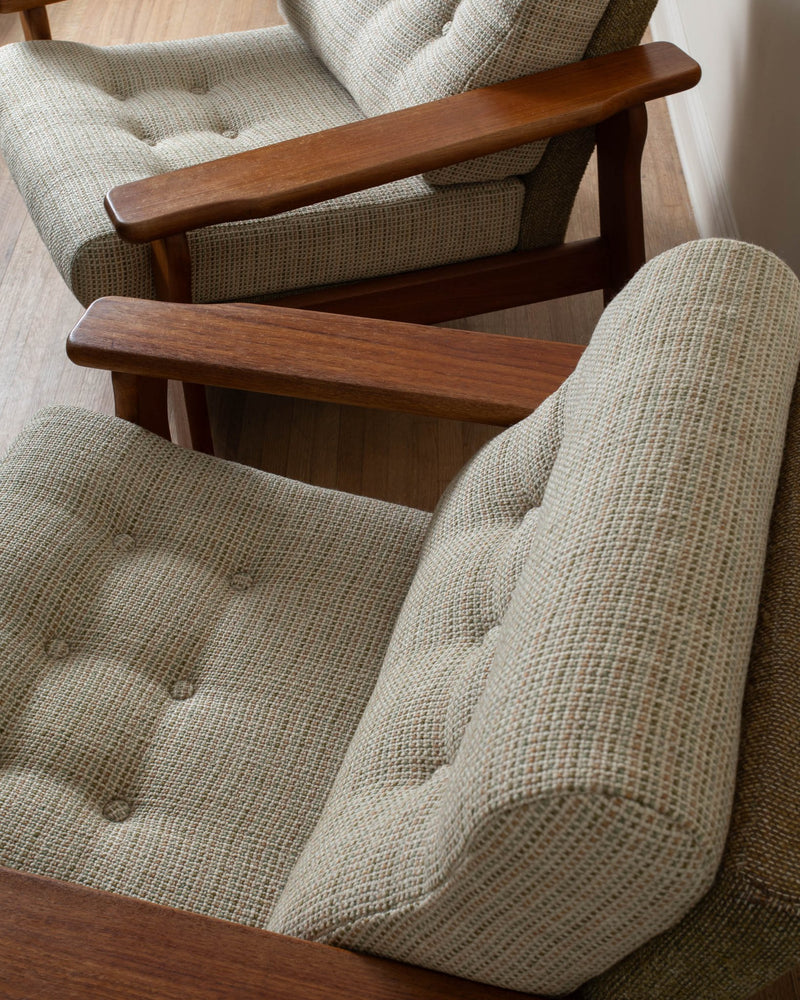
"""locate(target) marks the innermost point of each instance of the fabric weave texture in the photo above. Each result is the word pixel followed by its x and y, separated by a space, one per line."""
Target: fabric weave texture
pixel 542 780
pixel 186 646
pixel 502 741
pixel 78 120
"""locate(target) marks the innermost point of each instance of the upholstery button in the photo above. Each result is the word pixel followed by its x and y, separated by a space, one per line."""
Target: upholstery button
pixel 124 543
pixel 241 581
pixel 116 810
pixel 181 690
pixel 57 649
pixel 150 142
pixel 446 27
pixel 199 90
pixel 230 133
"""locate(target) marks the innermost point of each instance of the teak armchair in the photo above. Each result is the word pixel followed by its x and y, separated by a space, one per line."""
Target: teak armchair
pixel 373 204
pixel 500 742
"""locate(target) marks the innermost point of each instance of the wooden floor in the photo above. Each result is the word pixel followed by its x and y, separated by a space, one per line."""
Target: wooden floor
pixel 406 460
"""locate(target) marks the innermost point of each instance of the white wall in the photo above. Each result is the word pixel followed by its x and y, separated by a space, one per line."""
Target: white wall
pixel 738 132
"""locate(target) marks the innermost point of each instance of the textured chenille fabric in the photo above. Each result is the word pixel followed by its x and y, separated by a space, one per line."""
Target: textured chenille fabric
pixel 391 54
pixel 543 777
pixel 77 120
pixel 186 646
pixel 746 931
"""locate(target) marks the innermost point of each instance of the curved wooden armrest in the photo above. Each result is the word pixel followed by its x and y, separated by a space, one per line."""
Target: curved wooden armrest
pixel 60 940
pixel 342 359
pixel 327 164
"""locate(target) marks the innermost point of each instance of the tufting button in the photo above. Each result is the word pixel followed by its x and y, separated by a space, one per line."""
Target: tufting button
pixel 150 142
pixel 446 27
pixel 241 581
pixel 181 690
pixel 230 133
pixel 57 649
pixel 123 542
pixel 116 810
pixel 198 90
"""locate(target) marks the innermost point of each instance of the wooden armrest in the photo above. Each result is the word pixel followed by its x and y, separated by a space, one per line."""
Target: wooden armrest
pixel 343 359
pixel 15 6
pixel 64 941
pixel 327 164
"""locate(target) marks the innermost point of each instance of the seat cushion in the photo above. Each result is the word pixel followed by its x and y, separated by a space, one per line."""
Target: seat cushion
pixel 391 54
pixel 76 121
pixel 543 777
pixel 186 646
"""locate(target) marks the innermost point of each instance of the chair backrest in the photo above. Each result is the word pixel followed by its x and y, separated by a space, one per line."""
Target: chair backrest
pixel 391 54
pixel 543 777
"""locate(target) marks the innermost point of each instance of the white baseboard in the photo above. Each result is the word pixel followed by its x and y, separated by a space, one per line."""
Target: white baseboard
pixel 705 179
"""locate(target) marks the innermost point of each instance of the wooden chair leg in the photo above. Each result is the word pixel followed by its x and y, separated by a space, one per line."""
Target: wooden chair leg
pixel 35 24
pixel 143 401
pixel 620 143
pixel 172 268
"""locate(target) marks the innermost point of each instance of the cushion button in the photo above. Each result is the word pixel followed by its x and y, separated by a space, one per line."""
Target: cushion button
pixel 124 543
pixel 241 581
pixel 57 649
pixel 198 90
pixel 150 142
pixel 230 133
pixel 181 690
pixel 446 27
pixel 116 810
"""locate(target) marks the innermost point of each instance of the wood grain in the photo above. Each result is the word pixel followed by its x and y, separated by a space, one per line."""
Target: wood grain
pixel 453 291
pixel 36 24
pixel 620 145
pixel 65 942
pixel 308 355
pixel 15 6
pixel 312 168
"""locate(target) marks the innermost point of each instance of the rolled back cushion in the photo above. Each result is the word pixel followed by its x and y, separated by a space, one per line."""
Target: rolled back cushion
pixel 393 54
pixel 543 777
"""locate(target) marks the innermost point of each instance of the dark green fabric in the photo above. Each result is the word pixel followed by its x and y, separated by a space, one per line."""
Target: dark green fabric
pixel 745 932
pixel 551 188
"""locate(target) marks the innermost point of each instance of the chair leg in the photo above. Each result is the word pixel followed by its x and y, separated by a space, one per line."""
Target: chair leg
pixel 143 401
pixel 35 24
pixel 620 143
pixel 172 269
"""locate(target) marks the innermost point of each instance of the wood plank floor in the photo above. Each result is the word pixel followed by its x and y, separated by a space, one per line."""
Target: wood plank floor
pixel 406 460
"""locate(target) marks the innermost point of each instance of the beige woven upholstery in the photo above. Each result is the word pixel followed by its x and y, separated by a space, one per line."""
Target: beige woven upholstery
pixel 538 776
pixel 77 120
pixel 186 648
pixel 746 931
pixel 546 766
pixel 391 55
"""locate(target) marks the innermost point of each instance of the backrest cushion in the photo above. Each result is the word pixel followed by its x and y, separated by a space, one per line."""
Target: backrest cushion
pixel 393 54
pixel 543 777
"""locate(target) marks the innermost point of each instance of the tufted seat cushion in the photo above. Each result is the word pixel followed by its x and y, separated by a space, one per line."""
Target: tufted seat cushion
pixel 77 120
pixel 186 647
pixel 543 777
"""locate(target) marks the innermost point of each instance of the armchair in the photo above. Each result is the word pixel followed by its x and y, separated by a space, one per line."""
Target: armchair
pixel 266 164
pixel 500 742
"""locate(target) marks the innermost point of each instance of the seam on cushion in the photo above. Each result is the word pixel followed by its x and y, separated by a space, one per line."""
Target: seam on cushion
pixel 758 890
pixel 408 903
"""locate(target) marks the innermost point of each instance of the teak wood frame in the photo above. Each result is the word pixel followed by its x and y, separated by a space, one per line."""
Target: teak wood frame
pixel 358 361
pixel 608 93
pixel 33 14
